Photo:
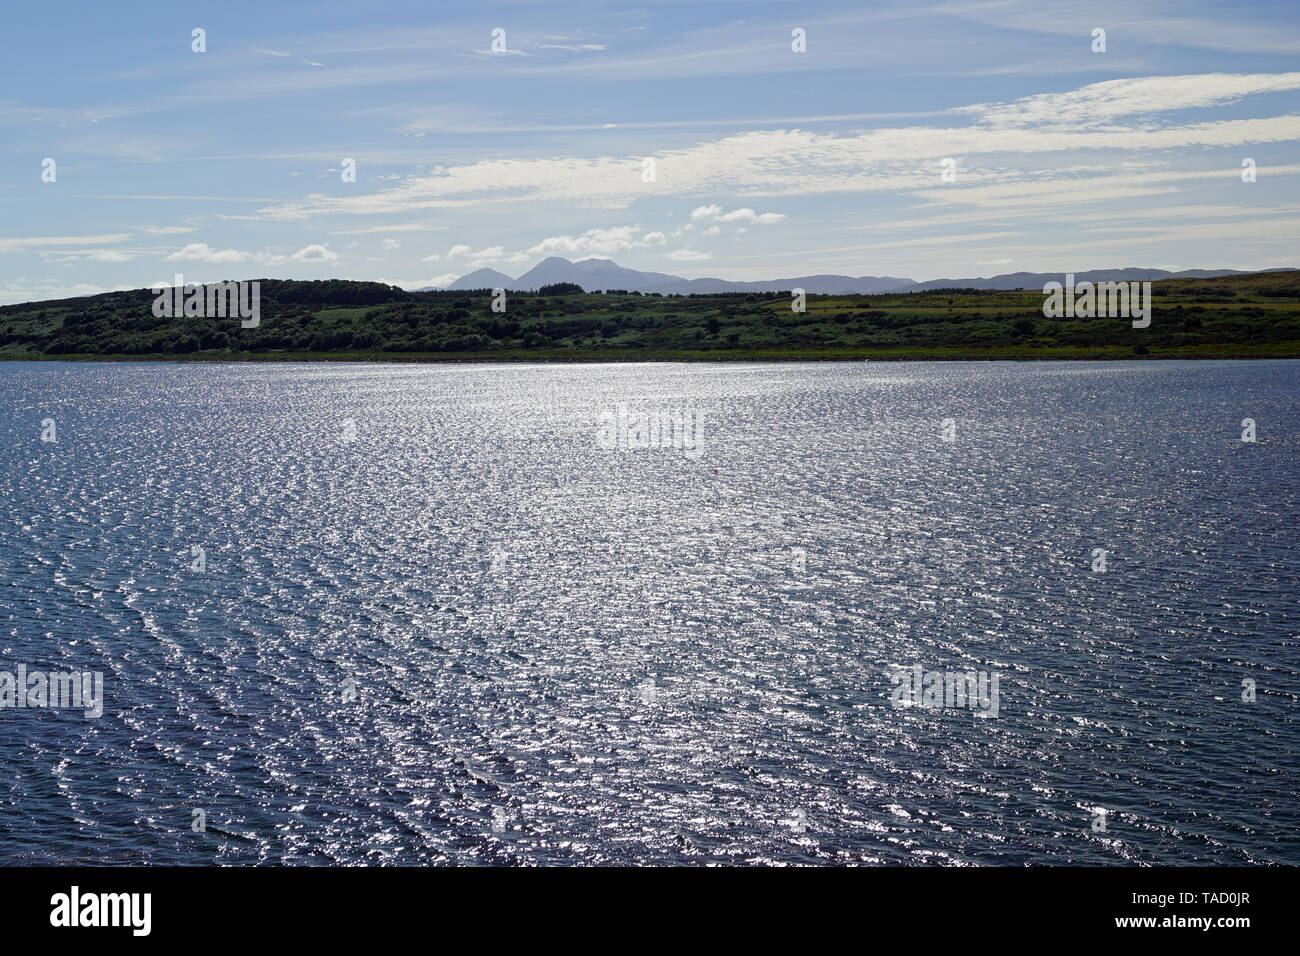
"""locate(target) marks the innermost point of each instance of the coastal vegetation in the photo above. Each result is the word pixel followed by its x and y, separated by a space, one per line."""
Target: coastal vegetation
pixel 1239 316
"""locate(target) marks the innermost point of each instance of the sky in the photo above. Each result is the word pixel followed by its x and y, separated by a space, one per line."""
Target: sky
pixel 768 161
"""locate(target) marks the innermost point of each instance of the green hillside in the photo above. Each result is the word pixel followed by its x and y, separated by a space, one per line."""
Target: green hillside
pixel 1246 316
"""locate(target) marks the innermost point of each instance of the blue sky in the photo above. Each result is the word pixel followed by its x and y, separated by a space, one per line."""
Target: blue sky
pixel 768 162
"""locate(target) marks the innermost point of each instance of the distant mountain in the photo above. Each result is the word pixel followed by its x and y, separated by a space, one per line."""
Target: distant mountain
pixel 813 285
pixel 593 274
pixel 604 274
pixel 480 279
pixel 1036 280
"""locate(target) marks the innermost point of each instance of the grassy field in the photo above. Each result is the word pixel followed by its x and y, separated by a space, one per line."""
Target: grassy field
pixel 1251 316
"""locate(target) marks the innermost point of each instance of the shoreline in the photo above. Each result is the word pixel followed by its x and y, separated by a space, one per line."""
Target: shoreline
pixel 1227 353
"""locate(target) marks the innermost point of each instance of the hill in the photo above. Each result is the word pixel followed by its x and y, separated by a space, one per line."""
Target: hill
pixel 1246 315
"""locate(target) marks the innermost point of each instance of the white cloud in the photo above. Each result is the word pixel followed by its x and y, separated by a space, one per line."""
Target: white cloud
pixel 714 216
pixel 391 244
pixel 591 242
pixel 748 215
pixel 403 227
pixel 689 255
pixel 25 245
pixel 1029 195
pixel 437 282
pixel 1100 103
pixel 786 162
pixel 21 292
pixel 477 258
pixel 314 253
pixel 482 257
pixel 202 252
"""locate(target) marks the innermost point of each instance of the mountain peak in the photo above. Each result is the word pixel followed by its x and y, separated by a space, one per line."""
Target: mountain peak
pixel 597 273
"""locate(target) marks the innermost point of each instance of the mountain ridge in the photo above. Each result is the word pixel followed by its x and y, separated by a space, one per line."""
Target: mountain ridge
pixel 605 274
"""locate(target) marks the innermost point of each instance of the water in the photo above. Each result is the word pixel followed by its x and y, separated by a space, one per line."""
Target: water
pixel 563 654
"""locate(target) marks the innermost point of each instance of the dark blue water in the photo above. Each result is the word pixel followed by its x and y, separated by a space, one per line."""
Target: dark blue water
pixel 437 622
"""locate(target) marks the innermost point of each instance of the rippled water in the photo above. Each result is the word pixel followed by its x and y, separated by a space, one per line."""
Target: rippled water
pixel 568 654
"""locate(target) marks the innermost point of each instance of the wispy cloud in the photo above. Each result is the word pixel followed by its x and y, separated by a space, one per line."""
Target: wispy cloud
pixel 42 242
pixel 1099 104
